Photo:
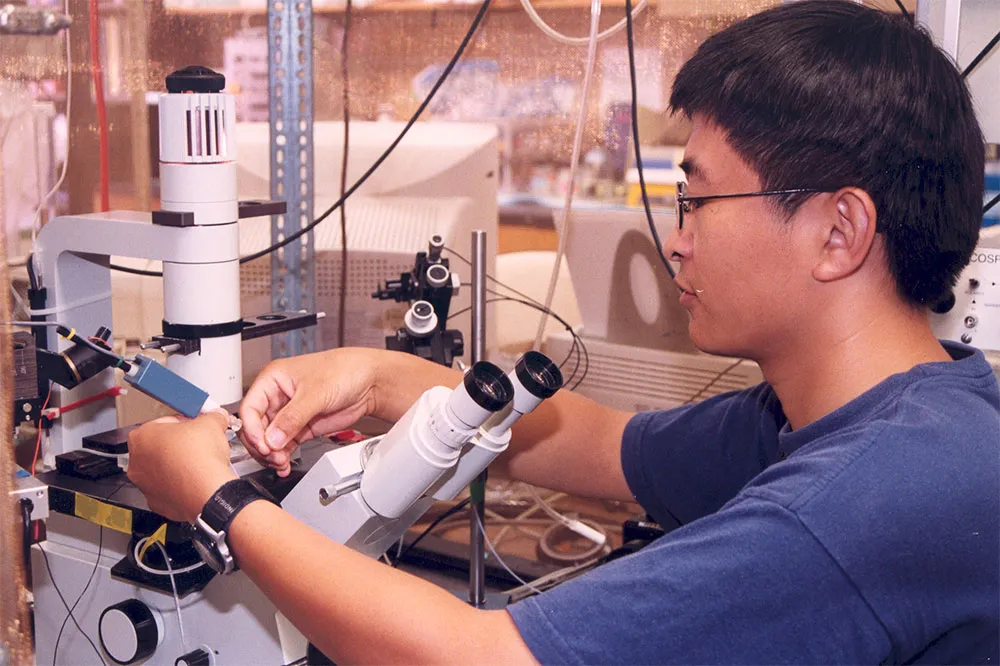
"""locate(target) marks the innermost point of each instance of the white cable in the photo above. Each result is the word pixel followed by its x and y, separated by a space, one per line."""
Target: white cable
pixel 578 41
pixel 578 526
pixel 595 19
pixel 35 224
pixel 482 530
pixel 160 572
pixel 89 300
pixel 549 551
pixel 177 599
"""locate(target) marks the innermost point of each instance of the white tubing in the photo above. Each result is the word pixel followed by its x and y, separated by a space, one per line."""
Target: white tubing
pixel 577 41
pixel 595 18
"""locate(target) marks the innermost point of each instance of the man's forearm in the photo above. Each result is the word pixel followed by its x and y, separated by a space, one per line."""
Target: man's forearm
pixel 357 610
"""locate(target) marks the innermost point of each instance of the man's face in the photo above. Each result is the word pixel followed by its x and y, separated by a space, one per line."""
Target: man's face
pixel 742 279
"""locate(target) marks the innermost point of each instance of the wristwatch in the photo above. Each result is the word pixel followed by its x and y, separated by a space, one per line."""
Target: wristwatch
pixel 211 527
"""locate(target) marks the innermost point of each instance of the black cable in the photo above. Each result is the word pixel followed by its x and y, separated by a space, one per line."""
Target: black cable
pixel 979 58
pixel 76 338
pixel 992 202
pixel 902 8
pixel 134 271
pixel 337 204
pixel 493 279
pixel 577 344
pixel 437 521
pixel 635 138
pixel 26 507
pixel 69 611
pixel 93 572
pixel 342 305
pixel 711 383
pixel 423 105
pixel 541 308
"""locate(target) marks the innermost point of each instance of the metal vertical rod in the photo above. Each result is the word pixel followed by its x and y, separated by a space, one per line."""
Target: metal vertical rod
pixel 477 553
pixel 290 84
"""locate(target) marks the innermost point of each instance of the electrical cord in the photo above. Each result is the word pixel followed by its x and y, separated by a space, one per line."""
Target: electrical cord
pixel 992 202
pixel 342 303
pixel 981 55
pixel 562 225
pixel 378 162
pixel 635 138
pixel 93 572
pixel 906 14
pixel 577 340
pixel 712 382
pixel 69 611
pixel 169 571
pixel 173 586
pixel 430 528
pixel 38 440
pixel 553 553
pixel 70 334
pixel 576 41
pixel 486 539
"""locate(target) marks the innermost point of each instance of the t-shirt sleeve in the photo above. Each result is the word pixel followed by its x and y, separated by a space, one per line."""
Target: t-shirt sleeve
pixel 727 588
pixel 687 462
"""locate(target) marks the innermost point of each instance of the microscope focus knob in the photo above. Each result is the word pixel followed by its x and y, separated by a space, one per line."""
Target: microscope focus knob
pixel 200 656
pixel 129 631
pixel 420 320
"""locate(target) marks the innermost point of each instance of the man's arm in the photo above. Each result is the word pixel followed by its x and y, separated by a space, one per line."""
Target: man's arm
pixel 357 610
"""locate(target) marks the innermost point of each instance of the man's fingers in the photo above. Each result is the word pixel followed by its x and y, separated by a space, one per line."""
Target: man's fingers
pixel 293 418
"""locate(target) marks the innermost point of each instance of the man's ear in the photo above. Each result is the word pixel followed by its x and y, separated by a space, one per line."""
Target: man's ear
pixel 848 228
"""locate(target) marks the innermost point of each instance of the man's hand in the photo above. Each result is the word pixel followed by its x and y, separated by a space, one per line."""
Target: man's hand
pixel 300 398
pixel 178 463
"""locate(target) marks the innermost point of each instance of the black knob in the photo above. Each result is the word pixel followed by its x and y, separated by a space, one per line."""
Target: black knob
pixel 198 657
pixel 945 304
pixel 196 79
pixel 973 284
pixel 128 631
pixel 966 338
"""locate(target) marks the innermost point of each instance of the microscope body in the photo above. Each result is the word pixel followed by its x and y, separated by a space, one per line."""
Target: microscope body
pixel 366 495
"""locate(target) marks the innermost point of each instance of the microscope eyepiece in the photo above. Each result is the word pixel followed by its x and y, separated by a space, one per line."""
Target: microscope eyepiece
pixel 435 246
pixel 538 374
pixel 422 309
pixel 437 275
pixel 488 386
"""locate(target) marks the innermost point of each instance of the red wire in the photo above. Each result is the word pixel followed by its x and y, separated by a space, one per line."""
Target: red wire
pixel 102 116
pixel 106 393
pixel 38 442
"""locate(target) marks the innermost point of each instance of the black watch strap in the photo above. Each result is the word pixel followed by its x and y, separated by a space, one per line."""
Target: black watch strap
pixel 228 500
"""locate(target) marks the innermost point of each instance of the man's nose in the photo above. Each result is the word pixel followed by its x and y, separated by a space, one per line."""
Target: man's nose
pixel 677 245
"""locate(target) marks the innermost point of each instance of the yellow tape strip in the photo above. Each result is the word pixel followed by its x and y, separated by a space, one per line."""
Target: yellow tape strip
pixel 105 515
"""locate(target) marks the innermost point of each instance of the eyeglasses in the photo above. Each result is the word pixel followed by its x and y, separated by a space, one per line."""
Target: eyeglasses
pixel 685 204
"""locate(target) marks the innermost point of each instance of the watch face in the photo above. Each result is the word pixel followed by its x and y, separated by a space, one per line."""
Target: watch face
pixel 210 555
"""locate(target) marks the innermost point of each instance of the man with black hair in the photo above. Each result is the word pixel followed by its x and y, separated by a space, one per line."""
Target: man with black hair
pixel 846 510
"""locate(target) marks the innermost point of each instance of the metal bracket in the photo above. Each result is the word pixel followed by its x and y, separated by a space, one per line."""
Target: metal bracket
pixel 290 83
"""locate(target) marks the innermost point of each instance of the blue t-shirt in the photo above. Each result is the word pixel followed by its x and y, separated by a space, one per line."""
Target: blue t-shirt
pixel 871 535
